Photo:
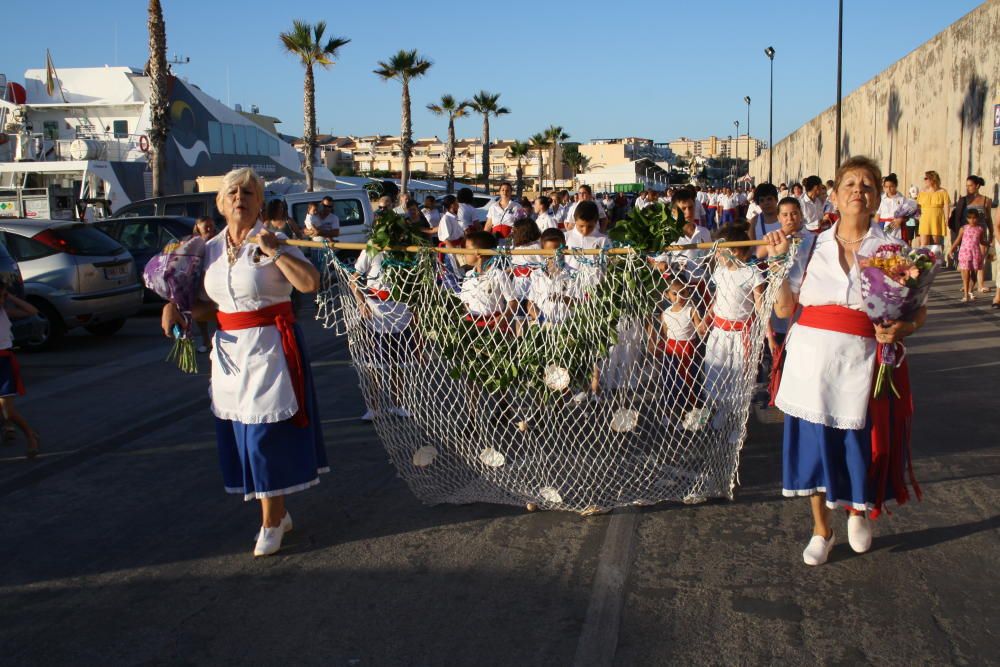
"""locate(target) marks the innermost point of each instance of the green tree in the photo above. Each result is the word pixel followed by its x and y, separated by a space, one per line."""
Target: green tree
pixel 159 77
pixel 452 109
pixel 540 142
pixel 306 41
pixel 404 66
pixel 556 136
pixel 575 160
pixel 519 150
pixel 487 104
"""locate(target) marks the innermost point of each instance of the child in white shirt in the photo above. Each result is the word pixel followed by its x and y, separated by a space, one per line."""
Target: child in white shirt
pixel 431 211
pixel 524 237
pixel 10 375
pixel 487 291
pixel 739 291
pixel 552 290
pixel 585 235
pixel 679 331
pixel 449 229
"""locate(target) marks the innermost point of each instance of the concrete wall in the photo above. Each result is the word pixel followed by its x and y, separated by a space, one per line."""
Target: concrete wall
pixel 932 110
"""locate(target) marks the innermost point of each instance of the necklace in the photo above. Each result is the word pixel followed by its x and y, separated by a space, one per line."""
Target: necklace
pixel 233 249
pixel 847 242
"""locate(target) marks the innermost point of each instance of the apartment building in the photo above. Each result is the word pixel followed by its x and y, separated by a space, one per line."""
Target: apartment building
pixel 605 153
pixel 384 153
pixel 717 147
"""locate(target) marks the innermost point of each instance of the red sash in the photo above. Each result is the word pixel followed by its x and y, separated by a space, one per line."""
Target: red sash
pixel 891 417
pixel 503 231
pixel 380 294
pixel 522 271
pixel 494 321
pixel 15 370
pixel 282 316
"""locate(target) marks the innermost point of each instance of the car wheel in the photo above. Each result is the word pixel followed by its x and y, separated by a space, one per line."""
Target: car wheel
pixel 53 333
pixel 108 328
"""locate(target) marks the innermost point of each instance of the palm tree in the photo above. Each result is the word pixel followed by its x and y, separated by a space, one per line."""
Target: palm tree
pixel 159 76
pixel 576 161
pixel 306 42
pixel 540 143
pixel 487 104
pixel 555 135
pixel 449 107
pixel 402 67
pixel 519 150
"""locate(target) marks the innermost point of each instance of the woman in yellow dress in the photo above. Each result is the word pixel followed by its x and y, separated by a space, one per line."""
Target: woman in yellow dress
pixel 935 205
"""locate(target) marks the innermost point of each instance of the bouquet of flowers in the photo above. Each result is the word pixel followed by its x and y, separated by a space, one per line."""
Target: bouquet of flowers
pixel 895 282
pixel 175 274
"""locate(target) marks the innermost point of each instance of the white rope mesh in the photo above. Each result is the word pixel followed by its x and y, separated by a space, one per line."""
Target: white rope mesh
pixel 578 401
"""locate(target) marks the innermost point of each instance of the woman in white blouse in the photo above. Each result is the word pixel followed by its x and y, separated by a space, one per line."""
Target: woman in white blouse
pixel 267 426
pixel 827 380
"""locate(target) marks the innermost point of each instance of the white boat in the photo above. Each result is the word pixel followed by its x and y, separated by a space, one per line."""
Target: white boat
pixel 88 139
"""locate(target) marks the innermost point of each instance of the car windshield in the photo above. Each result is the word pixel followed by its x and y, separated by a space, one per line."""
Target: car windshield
pixel 85 240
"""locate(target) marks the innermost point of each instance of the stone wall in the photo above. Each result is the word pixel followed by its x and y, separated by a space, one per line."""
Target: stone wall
pixel 932 110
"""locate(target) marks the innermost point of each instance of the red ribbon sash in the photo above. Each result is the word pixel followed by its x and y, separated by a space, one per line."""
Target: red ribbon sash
pixel 891 417
pixel 494 321
pixel 742 326
pixel 15 370
pixel 503 231
pixel 282 316
pixel 380 294
pixel 522 271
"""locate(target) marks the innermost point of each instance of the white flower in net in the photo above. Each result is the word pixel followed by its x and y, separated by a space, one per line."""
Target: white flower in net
pixel 624 420
pixel 492 458
pixel 424 456
pixel 556 377
pixel 580 397
pixel 522 426
pixel 550 495
pixel 432 335
pixel 695 419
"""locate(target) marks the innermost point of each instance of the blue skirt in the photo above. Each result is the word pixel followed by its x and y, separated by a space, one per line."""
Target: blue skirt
pixel 9 376
pixel 832 461
pixel 268 460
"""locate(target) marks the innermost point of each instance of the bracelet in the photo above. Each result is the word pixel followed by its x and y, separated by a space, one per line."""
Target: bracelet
pixel 277 253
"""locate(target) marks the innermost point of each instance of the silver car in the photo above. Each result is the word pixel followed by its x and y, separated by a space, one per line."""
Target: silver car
pixel 75 274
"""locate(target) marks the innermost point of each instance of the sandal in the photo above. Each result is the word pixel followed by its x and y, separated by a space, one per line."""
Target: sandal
pixel 34 445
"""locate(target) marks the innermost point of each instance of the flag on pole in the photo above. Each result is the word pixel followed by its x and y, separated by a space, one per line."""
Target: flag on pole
pixel 50 74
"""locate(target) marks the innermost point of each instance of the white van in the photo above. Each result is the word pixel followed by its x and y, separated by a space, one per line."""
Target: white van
pixel 352 207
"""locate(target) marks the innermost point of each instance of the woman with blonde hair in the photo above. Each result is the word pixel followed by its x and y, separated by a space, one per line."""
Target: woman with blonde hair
pixel 266 423
pixel 935 207
pixel 830 364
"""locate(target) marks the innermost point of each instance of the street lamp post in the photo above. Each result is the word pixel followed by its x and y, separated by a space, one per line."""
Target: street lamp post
pixel 747 100
pixel 736 151
pixel 840 69
pixel 769 52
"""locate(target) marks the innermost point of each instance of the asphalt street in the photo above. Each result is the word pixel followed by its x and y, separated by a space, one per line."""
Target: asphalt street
pixel 121 548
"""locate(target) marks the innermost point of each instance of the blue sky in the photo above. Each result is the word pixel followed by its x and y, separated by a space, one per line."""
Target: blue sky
pixel 656 69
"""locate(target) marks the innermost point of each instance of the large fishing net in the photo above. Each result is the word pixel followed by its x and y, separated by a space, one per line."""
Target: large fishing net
pixel 615 379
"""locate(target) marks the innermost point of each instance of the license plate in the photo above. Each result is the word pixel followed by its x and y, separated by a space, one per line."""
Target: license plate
pixel 116 272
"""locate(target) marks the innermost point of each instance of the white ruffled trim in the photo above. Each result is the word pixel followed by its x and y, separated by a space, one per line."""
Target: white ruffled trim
pixel 795 493
pixel 278 492
pixel 843 423
pixel 272 418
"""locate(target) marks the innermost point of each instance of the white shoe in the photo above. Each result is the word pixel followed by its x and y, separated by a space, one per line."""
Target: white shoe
pixel 369 416
pixel 401 412
pixel 859 533
pixel 818 550
pixel 269 539
pixel 286 525
pixel 202 349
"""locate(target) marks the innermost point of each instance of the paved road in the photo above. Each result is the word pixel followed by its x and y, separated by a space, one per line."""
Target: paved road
pixel 121 548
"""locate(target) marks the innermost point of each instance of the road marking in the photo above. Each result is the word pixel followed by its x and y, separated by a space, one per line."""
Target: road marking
pixel 962 368
pixel 88 377
pixel 599 638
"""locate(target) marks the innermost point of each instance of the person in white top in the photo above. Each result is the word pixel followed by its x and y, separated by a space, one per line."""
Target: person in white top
pixel 891 202
pixel 560 209
pixel 324 224
pixel 431 211
pixel 468 214
pixel 486 291
pixel 524 237
pixel 553 289
pixel 584 193
pixel 543 220
pixel 680 328
pixel 449 228
pixel 11 384
pixel 641 200
pixel 585 236
pixel 735 305
pixel 503 213
pixel 683 204
pixel 826 385
pixel 813 203
pixel 268 427
pixel 765 196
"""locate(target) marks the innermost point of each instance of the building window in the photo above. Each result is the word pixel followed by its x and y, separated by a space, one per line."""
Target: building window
pixel 228 139
pixel 241 139
pixel 214 137
pixel 50 129
pixel 120 129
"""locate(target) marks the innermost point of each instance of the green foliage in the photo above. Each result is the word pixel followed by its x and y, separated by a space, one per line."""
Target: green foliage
pixel 391 229
pixel 648 230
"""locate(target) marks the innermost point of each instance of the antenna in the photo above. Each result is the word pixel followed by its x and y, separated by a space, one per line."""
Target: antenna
pixel 179 60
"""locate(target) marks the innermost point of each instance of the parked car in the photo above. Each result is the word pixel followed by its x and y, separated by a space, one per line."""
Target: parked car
pixel 75 274
pixel 24 330
pixel 145 237
pixel 351 206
